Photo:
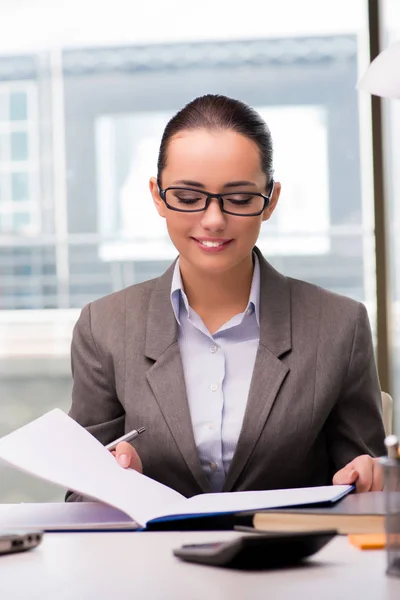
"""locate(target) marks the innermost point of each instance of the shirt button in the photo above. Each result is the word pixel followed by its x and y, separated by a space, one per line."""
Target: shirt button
pixel 214 387
pixel 212 425
pixel 213 466
pixel 213 349
pixel 249 310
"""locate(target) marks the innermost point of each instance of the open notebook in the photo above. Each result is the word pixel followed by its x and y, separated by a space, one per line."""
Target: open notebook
pixel 55 448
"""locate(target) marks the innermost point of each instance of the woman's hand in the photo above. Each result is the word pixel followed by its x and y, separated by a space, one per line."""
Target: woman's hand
pixel 127 457
pixel 364 471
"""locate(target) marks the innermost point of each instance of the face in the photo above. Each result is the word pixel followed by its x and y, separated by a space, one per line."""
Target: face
pixel 216 162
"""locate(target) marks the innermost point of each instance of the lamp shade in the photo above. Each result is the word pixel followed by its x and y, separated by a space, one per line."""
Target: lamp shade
pixel 382 78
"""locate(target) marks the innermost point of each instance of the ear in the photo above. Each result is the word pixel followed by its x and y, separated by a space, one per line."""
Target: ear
pixel 273 201
pixel 158 202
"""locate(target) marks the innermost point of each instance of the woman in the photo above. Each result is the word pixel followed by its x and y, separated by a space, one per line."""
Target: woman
pixel 244 379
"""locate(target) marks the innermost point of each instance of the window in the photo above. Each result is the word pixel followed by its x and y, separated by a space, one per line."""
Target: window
pixel 391 16
pixel 94 99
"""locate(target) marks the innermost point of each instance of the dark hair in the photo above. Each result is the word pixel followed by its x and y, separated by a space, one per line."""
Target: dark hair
pixel 216 112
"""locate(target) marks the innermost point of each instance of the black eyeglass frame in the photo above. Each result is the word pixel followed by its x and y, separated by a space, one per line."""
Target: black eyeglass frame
pixel 220 198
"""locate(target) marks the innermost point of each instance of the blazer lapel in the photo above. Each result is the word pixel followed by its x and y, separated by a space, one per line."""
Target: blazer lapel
pixel 166 377
pixel 269 372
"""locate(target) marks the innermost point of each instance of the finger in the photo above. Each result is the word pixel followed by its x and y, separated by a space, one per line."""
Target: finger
pixel 123 454
pixel 377 484
pixel 136 463
pixel 127 456
pixel 346 476
pixel 365 467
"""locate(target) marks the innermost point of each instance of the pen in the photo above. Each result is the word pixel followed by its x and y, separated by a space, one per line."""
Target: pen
pixel 125 438
pixel 392 445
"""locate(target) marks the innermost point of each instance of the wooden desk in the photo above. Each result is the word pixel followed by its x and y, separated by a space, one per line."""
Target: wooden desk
pixel 114 566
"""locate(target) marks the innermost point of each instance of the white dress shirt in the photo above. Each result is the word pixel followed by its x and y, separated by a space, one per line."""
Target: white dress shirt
pixel 218 370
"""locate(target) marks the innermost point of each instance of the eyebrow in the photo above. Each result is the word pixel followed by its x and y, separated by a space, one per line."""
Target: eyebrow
pixel 230 184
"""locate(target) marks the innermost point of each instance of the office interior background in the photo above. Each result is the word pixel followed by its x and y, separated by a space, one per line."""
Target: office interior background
pixel 85 91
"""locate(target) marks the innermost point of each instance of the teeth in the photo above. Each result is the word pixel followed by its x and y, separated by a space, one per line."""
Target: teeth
pixel 210 244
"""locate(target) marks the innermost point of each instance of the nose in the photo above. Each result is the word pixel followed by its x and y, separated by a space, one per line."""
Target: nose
pixel 213 219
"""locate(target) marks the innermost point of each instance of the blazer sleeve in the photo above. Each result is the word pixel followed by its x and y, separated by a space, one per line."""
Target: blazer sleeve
pixel 95 403
pixel 355 425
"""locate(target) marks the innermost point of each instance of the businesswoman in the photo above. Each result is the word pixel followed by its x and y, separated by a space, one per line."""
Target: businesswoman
pixel 244 379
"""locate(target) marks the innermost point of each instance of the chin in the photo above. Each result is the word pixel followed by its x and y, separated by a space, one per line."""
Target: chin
pixel 212 263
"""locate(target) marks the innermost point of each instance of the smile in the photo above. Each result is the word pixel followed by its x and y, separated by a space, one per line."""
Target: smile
pixel 212 245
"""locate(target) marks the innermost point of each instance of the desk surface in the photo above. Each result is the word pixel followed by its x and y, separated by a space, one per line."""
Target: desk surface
pixel 103 566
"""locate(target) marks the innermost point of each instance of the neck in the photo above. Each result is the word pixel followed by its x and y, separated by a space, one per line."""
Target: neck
pixel 229 291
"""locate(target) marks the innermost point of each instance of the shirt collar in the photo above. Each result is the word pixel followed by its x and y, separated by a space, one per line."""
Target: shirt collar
pixel 178 292
pixel 254 298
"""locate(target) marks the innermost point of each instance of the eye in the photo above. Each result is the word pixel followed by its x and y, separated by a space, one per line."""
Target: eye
pixel 240 199
pixel 187 196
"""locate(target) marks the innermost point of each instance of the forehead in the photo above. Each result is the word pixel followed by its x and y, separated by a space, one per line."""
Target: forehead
pixel 215 156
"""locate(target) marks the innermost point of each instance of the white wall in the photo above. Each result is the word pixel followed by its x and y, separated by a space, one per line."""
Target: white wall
pixel 39 24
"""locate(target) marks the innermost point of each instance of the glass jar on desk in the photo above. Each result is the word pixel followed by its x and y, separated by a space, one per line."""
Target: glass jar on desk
pixel 391 473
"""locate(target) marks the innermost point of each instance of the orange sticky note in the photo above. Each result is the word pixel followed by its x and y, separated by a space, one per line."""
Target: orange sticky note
pixel 368 541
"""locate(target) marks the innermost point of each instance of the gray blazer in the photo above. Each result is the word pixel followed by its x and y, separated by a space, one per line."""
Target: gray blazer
pixel 314 402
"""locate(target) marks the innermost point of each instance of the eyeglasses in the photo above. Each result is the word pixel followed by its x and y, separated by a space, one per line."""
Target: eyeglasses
pixel 241 204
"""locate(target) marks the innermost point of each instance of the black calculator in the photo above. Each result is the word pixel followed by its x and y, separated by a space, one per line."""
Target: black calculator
pixel 258 550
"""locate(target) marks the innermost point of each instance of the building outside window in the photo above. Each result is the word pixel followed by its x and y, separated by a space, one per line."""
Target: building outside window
pixel 19 160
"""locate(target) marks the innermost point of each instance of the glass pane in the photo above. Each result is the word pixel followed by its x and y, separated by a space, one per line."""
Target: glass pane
pixel 4 108
pixel 20 186
pixel 4 182
pixel 19 146
pixel 4 223
pixel 18 106
pixel 21 221
pixel 392 109
pixel 4 148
